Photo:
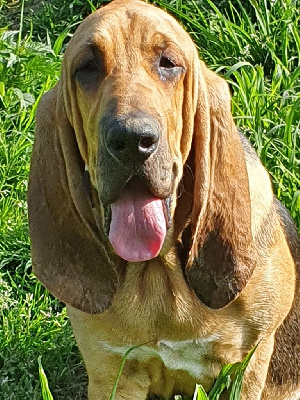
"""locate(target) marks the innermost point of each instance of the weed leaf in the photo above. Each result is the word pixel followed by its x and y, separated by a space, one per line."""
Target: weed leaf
pixel 200 393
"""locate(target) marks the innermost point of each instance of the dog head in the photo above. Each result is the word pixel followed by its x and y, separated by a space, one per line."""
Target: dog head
pixel 137 112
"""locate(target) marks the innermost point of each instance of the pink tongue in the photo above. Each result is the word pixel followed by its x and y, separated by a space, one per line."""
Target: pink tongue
pixel 138 226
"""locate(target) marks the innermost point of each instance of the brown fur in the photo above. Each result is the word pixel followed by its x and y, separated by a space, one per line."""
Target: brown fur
pixel 226 277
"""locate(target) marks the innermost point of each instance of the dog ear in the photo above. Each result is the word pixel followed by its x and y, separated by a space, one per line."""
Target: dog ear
pixel 68 252
pixel 222 254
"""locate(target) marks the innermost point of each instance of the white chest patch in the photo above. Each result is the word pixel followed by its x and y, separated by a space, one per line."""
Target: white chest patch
pixel 185 355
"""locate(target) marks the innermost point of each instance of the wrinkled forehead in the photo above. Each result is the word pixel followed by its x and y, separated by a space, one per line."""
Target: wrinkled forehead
pixel 132 23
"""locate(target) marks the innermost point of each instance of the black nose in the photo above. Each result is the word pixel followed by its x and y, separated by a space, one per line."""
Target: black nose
pixel 132 138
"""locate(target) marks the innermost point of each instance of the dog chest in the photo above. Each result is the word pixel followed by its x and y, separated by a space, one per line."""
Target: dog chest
pixel 190 356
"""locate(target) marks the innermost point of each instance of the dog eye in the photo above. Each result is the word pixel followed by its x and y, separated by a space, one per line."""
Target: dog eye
pixel 88 67
pixel 165 62
pixel 168 69
pixel 87 74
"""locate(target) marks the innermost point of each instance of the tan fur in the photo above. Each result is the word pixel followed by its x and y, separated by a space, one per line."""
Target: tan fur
pixel 226 276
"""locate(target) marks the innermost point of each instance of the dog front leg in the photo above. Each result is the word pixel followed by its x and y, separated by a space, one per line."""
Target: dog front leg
pixel 134 382
pixel 256 372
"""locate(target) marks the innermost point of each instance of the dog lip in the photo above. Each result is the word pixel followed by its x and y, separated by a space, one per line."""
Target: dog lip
pixel 167 210
pixel 107 219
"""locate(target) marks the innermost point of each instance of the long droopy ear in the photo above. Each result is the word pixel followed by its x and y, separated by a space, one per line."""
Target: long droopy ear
pixel 68 253
pixel 222 254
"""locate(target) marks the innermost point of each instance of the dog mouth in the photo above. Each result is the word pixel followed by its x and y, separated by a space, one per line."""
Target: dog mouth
pixel 137 222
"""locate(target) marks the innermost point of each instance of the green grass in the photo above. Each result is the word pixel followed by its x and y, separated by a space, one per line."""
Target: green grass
pixel 255 45
pixel 33 324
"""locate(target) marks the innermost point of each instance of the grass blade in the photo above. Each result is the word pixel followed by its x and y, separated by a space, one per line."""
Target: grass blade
pixel 44 382
pixel 223 381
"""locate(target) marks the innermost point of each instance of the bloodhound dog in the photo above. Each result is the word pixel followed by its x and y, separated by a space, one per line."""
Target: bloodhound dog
pixel 153 219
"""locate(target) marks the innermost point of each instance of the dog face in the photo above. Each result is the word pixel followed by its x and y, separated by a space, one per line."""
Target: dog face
pixel 125 100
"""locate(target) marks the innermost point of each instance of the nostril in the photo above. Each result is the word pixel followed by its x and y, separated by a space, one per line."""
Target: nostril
pixel 119 145
pixel 131 138
pixel 148 144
